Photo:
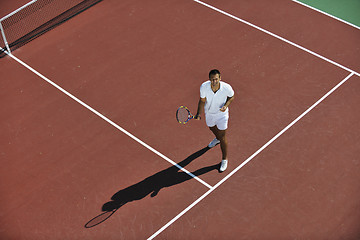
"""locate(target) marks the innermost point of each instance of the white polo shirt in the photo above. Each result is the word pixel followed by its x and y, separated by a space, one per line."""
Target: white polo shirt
pixel 215 101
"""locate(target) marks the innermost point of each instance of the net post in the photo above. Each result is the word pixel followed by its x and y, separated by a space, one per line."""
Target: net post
pixel 4 38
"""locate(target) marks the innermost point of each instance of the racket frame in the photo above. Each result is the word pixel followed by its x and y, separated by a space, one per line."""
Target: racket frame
pixel 190 116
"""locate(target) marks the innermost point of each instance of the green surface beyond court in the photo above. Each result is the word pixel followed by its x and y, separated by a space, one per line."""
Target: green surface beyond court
pixel 347 10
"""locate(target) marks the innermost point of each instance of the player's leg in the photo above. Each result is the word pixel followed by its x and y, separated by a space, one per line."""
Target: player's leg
pixel 221 136
pixel 219 131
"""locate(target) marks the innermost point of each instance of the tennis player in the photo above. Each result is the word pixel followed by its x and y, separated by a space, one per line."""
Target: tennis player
pixel 215 98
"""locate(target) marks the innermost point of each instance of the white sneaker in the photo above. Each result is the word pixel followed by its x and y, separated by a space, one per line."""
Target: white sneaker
pixel 213 143
pixel 223 165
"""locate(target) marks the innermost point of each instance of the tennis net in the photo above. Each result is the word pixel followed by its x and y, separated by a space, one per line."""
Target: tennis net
pixel 36 18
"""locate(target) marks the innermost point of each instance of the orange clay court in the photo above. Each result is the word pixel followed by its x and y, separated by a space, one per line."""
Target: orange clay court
pixel 88 125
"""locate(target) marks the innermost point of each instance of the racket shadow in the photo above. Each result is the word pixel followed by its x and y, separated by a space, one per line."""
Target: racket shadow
pixel 151 185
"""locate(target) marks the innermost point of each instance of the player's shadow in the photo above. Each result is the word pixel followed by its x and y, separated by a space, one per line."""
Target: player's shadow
pixel 152 185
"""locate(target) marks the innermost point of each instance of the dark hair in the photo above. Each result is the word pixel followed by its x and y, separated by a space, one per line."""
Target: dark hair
pixel 214 72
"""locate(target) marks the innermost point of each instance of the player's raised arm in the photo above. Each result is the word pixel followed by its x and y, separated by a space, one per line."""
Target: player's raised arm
pixel 228 101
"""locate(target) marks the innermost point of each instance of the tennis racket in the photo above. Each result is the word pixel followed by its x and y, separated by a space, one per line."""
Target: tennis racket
pixel 100 218
pixel 183 115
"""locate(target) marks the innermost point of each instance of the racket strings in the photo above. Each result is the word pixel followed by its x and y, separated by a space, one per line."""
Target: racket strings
pixel 182 115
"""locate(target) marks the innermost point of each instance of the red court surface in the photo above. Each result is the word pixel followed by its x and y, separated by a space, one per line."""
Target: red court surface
pixel 135 63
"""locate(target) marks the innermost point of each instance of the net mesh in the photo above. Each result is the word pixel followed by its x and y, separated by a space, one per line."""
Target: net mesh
pixel 38 18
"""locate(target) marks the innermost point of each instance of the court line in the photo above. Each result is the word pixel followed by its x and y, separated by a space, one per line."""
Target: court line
pixel 3 50
pixel 107 120
pixel 327 14
pixel 277 36
pixel 277 135
pixel 169 160
pixel 250 158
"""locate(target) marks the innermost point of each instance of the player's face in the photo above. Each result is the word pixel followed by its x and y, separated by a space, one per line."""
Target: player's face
pixel 215 79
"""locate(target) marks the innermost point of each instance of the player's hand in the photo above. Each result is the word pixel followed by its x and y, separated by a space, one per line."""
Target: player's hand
pixel 197 117
pixel 223 109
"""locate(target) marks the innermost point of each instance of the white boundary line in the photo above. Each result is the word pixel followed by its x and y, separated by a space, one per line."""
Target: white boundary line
pixel 108 120
pixel 249 159
pixel 211 189
pixel 327 14
pixel 277 36
pixel 276 136
pixel 4 50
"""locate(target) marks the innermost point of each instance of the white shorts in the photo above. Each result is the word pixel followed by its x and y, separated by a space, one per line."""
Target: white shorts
pixel 220 120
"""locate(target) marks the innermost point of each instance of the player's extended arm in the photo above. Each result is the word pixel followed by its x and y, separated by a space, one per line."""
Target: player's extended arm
pixel 228 101
pixel 200 109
